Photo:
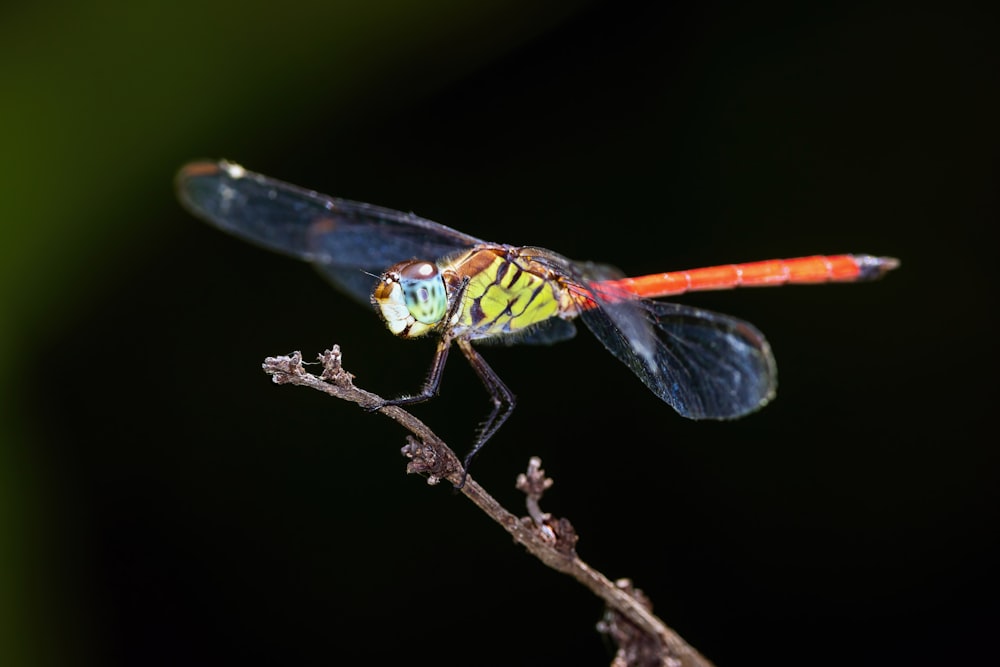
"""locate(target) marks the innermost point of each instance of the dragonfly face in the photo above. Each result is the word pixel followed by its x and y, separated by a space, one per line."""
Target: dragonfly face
pixel 411 298
pixel 703 364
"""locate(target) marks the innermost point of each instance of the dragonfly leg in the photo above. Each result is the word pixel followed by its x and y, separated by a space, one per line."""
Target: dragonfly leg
pixel 503 402
pixel 433 381
pixel 431 384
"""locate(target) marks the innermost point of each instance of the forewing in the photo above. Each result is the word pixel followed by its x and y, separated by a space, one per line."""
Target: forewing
pixel 342 238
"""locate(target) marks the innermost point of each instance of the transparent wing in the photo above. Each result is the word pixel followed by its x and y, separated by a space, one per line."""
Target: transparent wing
pixel 342 238
pixel 703 364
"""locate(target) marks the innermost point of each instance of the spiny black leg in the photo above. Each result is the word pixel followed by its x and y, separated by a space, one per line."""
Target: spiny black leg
pixel 431 384
pixel 503 402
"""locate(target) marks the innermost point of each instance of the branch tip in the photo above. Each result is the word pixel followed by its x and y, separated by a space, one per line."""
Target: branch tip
pixel 534 483
pixel 283 368
pixel 333 369
pixel 559 532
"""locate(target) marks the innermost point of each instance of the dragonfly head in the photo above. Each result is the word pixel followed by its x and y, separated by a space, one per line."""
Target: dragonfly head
pixel 411 298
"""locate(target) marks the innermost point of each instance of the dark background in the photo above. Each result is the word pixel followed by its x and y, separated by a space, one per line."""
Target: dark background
pixel 164 503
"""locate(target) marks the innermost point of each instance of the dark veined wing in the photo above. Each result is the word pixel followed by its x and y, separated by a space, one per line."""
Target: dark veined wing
pixel 703 364
pixel 342 238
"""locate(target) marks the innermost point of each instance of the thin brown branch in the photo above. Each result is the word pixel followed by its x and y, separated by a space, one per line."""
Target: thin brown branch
pixel 642 638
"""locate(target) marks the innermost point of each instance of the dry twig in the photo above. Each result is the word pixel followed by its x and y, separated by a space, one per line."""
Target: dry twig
pixel 642 638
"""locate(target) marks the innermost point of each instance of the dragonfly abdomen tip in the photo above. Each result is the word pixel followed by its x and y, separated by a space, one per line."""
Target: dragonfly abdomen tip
pixel 871 267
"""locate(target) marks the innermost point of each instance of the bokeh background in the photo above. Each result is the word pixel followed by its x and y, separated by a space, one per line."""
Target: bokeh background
pixel 162 502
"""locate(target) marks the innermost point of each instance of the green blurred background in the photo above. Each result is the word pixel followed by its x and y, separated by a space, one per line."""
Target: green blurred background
pixel 161 502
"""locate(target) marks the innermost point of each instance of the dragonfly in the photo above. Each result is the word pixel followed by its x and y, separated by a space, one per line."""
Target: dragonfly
pixel 427 280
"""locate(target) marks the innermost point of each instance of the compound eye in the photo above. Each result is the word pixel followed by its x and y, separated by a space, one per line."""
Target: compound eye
pixel 424 291
pixel 418 271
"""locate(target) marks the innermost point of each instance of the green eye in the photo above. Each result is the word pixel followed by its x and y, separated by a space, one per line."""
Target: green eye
pixel 423 290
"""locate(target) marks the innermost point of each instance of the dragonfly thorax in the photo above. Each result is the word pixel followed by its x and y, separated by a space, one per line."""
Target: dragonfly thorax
pixel 411 298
